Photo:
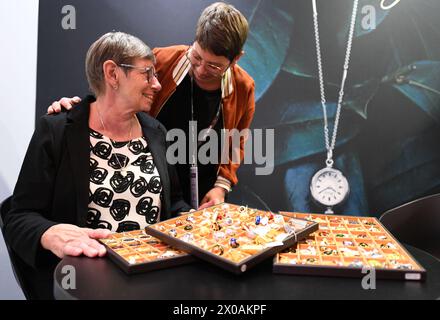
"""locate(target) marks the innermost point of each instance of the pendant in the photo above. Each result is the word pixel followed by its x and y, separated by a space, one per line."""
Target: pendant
pixel 329 188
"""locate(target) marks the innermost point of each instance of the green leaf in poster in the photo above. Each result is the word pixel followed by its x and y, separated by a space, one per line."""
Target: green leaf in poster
pixel 334 21
pixel 267 44
pixel 359 96
pixel 400 157
pixel 407 187
pixel 299 132
pixel 367 10
pixel 403 168
pixel 414 32
pixel 420 82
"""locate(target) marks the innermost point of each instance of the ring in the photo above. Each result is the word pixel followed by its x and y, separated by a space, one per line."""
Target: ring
pixel 178 223
pixel 215 226
pixel 218 249
pixel 234 244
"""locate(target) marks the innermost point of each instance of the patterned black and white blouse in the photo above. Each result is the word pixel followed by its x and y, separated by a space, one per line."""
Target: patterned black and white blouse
pixel 127 198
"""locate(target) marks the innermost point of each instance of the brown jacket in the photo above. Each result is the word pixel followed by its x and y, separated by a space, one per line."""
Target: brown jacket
pixel 237 95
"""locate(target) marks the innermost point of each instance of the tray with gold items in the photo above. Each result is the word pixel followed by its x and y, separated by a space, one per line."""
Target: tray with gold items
pixel 136 252
pixel 233 237
pixel 348 246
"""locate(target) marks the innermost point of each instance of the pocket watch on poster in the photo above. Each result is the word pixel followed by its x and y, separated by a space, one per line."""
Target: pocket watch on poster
pixel 329 187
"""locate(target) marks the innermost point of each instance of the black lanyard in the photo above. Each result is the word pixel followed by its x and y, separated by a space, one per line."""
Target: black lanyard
pixel 194 173
pixel 213 122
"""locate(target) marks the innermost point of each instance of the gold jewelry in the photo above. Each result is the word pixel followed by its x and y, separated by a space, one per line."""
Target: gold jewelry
pixel 218 249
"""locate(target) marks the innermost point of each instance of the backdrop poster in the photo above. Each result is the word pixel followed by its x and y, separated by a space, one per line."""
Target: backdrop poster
pixel 387 142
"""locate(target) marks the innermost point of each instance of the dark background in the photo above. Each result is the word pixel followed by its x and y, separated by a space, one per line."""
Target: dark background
pixel 388 140
pixel 61 53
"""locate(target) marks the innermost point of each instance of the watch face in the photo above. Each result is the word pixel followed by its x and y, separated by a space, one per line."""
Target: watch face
pixel 329 187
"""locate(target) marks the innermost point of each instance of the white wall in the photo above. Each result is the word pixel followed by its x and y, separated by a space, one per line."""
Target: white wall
pixel 18 69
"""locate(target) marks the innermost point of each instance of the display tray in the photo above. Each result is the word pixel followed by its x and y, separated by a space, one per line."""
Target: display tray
pixel 136 252
pixel 345 246
pixel 232 237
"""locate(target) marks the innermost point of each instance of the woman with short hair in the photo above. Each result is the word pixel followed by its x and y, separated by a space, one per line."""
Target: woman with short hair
pixel 99 166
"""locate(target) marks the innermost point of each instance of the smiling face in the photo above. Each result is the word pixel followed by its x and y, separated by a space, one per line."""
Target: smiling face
pixel 207 68
pixel 137 85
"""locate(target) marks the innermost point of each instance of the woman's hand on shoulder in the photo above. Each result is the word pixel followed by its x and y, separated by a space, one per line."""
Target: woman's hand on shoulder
pixel 66 103
pixel 70 240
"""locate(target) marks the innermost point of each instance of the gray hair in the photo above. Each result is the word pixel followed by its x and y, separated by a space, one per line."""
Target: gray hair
pixel 120 47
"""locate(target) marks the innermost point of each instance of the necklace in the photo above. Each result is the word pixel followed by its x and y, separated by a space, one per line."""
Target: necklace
pixel 122 169
pixel 329 187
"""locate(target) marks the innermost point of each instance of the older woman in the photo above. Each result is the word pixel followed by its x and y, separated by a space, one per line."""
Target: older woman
pixel 98 168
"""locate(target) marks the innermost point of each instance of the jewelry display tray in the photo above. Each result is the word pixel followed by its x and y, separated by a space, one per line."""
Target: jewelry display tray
pixel 237 222
pixel 348 246
pixel 137 252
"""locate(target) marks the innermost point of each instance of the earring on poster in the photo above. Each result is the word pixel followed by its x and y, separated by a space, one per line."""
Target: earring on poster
pixel 388 6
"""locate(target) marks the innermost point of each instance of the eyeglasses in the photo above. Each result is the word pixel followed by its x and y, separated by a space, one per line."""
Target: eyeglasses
pixel 196 60
pixel 149 72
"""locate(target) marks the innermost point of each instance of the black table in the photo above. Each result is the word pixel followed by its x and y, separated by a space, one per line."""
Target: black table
pixel 102 279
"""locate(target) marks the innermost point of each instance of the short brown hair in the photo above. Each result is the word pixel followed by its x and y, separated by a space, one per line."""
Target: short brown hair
pixel 117 46
pixel 222 29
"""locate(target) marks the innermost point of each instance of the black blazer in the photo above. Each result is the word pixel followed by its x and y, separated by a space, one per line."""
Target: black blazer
pixel 53 184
